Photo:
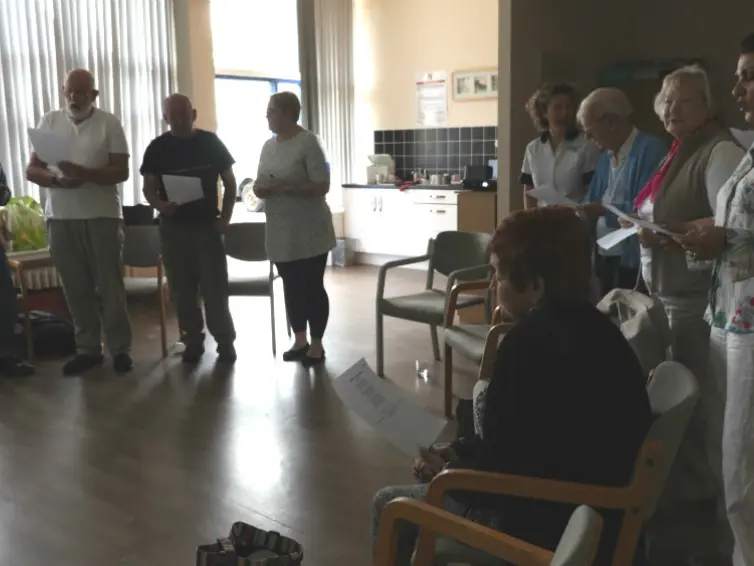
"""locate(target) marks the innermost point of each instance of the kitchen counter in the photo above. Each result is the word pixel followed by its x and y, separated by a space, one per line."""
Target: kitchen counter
pixel 424 186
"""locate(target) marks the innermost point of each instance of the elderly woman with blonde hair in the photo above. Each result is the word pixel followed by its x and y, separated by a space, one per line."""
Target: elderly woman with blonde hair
pixel 680 196
pixel 729 241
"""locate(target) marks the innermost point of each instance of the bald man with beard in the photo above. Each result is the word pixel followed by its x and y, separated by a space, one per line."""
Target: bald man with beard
pixel 191 233
pixel 84 222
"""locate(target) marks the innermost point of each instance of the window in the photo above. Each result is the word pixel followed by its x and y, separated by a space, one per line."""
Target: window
pixel 127 44
pixel 242 117
pixel 256 36
pixel 255 45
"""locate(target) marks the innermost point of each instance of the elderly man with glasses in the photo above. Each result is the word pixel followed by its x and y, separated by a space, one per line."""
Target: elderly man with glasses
pixel 628 161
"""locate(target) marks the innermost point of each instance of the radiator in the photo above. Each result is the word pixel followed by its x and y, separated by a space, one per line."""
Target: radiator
pixel 42 278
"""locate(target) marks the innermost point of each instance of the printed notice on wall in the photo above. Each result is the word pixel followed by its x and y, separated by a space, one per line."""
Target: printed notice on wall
pixel 384 407
pixel 432 99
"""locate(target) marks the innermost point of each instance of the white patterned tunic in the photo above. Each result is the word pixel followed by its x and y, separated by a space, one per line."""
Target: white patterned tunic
pixel 731 305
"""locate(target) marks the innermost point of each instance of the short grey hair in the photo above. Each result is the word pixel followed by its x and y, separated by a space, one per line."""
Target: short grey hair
pixel 603 102
pixel 693 72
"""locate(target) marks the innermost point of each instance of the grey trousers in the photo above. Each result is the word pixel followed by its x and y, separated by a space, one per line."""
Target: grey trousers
pixel 88 256
pixel 196 265
pixel 690 518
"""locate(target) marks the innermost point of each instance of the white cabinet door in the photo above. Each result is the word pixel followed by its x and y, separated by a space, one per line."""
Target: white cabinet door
pixel 391 222
pixel 360 206
pixel 394 209
pixel 431 219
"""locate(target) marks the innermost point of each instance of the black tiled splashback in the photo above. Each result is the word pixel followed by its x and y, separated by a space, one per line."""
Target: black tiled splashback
pixel 438 150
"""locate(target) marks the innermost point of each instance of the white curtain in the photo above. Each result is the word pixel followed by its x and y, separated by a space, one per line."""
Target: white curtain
pixel 327 82
pixel 127 44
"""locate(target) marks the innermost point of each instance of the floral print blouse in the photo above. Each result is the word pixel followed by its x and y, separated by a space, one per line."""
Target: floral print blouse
pixel 732 291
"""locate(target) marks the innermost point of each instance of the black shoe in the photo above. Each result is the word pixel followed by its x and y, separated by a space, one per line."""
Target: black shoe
pixel 227 354
pixel 193 353
pixel 122 363
pixel 11 366
pixel 81 363
pixel 310 361
pixel 295 354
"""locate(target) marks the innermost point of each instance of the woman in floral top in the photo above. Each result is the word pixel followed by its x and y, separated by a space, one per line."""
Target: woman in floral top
pixel 730 242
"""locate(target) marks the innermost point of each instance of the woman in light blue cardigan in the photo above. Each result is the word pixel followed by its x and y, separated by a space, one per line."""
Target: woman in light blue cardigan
pixel 628 161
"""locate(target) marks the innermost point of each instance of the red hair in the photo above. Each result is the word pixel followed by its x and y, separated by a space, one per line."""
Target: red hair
pixel 550 243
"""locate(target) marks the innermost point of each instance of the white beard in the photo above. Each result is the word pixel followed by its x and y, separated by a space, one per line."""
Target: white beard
pixel 76 114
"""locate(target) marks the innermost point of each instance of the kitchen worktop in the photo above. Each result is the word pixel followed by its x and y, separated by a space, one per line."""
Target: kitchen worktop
pixel 426 186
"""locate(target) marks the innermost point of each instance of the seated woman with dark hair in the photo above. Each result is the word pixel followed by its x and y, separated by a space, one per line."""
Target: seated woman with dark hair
pixel 567 399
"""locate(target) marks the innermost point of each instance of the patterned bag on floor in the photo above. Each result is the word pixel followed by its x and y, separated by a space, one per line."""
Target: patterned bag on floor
pixel 249 546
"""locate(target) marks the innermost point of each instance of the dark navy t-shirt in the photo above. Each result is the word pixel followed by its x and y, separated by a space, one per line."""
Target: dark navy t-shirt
pixel 202 155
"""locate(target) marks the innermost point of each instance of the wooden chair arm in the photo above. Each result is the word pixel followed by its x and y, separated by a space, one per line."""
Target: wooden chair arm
pixel 490 348
pixel 442 522
pixel 498 315
pixel 452 300
pixel 527 487
pixel 599 497
pixel 18 270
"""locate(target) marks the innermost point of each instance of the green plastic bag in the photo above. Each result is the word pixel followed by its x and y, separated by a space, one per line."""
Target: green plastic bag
pixel 26 224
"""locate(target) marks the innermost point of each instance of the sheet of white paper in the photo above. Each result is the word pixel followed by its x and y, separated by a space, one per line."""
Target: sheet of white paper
pixel 181 190
pixel 549 195
pixel 639 222
pixel 384 407
pixel 612 239
pixel 51 147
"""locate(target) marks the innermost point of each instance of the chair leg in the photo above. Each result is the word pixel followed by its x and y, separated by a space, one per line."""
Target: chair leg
pixel 163 316
pixel 448 381
pixel 435 343
pixel 380 346
pixel 28 331
pixel 272 322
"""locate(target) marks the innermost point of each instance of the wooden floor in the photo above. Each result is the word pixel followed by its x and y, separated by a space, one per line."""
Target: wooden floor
pixel 139 470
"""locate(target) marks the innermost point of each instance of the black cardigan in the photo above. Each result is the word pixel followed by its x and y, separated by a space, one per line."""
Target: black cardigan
pixel 567 401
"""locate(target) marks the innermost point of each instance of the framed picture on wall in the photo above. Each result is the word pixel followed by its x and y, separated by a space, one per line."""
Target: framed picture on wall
pixel 476 84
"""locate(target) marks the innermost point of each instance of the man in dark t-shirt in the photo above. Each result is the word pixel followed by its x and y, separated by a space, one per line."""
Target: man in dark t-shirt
pixel 191 232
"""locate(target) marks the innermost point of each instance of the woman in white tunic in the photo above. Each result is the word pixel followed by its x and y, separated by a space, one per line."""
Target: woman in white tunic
pixel 730 242
pixel 561 159
pixel 293 178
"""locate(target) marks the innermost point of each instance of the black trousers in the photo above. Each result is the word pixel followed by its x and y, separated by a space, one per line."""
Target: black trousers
pixel 306 299
pixel 613 275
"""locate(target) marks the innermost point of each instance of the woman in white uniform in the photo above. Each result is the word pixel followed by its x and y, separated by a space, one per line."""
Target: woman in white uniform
pixel 561 158
pixel 730 242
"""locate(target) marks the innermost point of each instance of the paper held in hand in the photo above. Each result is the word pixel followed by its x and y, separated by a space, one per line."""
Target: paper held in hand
pixel 384 407
pixel 50 147
pixel 614 238
pixel 639 222
pixel 548 195
pixel 181 190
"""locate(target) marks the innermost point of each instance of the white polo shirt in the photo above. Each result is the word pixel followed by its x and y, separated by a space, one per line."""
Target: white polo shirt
pixel 567 169
pixel 91 141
